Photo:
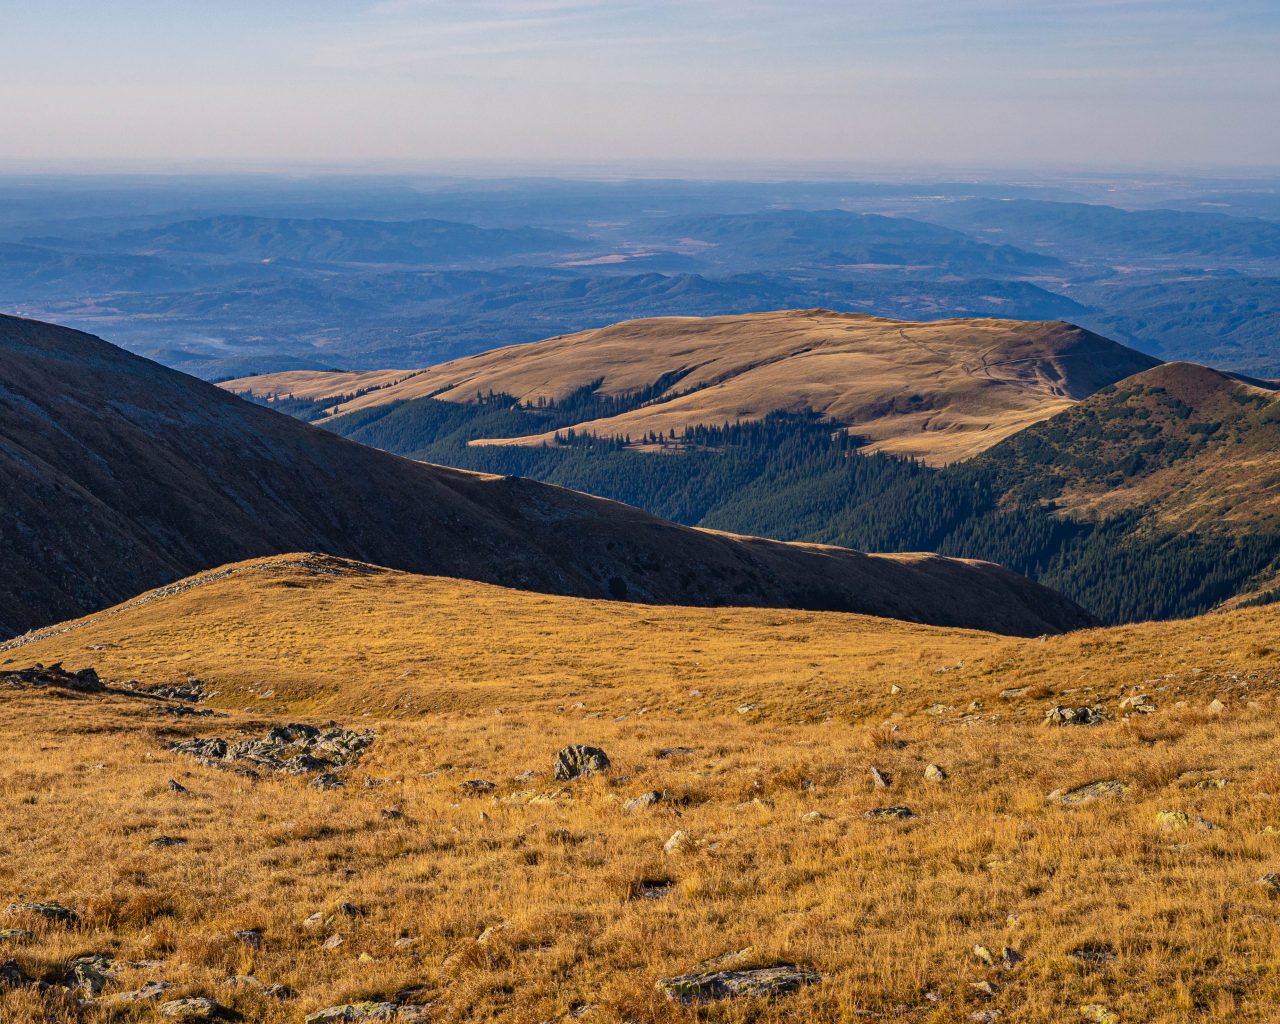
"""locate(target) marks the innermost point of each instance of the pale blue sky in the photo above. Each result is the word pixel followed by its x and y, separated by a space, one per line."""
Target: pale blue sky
pixel 425 84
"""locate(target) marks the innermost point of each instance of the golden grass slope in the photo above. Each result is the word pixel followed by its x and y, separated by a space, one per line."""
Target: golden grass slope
pixel 941 391
pixel 1191 448
pixel 527 904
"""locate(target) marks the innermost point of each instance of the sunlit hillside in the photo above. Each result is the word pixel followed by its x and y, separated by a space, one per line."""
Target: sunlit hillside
pixel 451 876
pixel 940 391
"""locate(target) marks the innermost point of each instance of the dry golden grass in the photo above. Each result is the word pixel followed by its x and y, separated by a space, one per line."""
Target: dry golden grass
pixel 464 681
pixel 941 391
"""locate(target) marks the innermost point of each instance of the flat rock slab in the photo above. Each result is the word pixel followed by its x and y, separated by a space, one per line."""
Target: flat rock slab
pixel 760 982
pixel 1109 789
pixel 359 1013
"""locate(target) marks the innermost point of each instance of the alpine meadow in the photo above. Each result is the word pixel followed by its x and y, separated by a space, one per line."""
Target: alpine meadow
pixel 565 512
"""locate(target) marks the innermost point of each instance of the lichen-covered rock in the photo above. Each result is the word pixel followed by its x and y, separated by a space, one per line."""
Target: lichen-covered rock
pixel 935 773
pixel 11 975
pixel 360 1013
pixel 1108 789
pixel 151 992
pixel 899 812
pixel 90 973
pixel 193 1010
pixel 1096 1013
pixel 49 910
pixel 578 760
pixel 778 980
pixel 644 800
pixel 680 842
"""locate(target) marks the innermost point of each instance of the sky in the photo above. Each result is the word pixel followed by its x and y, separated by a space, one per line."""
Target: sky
pixel 445 84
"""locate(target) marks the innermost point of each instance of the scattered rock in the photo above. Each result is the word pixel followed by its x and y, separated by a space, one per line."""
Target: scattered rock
pixel 89 973
pixel 358 1013
pixel 935 773
pixel 148 993
pixel 1216 707
pixel 250 937
pixel 577 760
pixel 1138 704
pixel 644 800
pixel 477 786
pixel 48 910
pixel 984 955
pixel 84 681
pixel 986 988
pixel 746 709
pixel 333 941
pixel 162 841
pixel 881 780
pixel 1099 1014
pixel 1093 953
pixel 1011 692
pixel 192 691
pixel 680 842
pixel 1217 783
pixel 16 935
pixel 1177 821
pixel 901 812
pixel 193 1009
pixel 815 816
pixel 665 752
pixel 1011 957
pixel 294 749
pixel 1270 881
pixel 1062 715
pixel 1109 789
pixel 895 689
pixel 778 980
pixel 653 888
pixel 11 975
pixel 269 991
pixel 391 813
pixel 177 787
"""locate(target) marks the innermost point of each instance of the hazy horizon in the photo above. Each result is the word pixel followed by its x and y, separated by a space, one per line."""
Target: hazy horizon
pixel 566 86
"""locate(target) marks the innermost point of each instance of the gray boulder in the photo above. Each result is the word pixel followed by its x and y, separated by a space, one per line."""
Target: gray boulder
pixel 577 760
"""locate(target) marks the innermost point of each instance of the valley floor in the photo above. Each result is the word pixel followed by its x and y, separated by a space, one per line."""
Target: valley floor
pixel 545 900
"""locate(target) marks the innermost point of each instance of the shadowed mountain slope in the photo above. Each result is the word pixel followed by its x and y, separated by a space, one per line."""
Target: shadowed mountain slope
pixel 121 475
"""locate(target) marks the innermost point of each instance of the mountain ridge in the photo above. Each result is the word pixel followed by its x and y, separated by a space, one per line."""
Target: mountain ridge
pixel 124 475
pixel 936 390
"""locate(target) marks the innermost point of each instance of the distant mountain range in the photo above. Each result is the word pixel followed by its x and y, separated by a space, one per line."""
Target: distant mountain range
pixel 120 475
pixel 841 240
pixel 1090 231
pixel 325 240
pixel 381 276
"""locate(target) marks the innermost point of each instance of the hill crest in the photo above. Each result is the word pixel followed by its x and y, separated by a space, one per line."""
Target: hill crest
pixel 941 391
